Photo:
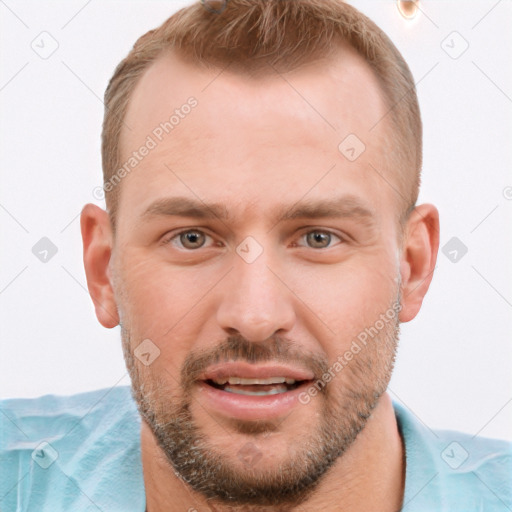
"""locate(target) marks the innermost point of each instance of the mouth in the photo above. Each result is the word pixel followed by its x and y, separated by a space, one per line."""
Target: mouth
pixel 252 392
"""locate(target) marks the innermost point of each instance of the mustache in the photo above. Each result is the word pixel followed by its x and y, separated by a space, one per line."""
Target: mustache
pixel 236 348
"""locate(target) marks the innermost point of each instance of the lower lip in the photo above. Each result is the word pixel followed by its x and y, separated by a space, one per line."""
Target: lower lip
pixel 249 407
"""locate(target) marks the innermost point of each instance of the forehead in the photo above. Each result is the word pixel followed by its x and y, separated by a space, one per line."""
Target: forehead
pixel 336 93
pixel 252 139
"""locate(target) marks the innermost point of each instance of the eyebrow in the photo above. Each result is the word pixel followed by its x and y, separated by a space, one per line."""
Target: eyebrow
pixel 346 206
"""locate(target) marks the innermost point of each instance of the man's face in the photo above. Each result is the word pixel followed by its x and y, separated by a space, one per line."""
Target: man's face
pixel 257 294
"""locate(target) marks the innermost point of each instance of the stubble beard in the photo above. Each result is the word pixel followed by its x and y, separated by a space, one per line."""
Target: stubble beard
pixel 346 404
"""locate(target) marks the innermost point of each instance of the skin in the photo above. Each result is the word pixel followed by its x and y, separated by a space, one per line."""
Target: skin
pixel 256 146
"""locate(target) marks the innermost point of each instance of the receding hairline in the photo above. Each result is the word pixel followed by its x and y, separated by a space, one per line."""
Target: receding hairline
pixel 261 71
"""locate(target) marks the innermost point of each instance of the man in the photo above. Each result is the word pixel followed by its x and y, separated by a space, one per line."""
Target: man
pixel 260 248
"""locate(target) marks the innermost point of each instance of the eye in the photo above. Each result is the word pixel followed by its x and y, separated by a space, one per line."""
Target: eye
pixel 319 239
pixel 192 239
pixel 189 239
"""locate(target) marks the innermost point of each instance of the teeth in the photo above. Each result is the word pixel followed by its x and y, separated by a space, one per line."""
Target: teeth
pixel 248 382
pixel 240 391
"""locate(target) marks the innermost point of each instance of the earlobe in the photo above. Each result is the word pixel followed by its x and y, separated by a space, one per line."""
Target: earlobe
pixel 419 256
pixel 97 245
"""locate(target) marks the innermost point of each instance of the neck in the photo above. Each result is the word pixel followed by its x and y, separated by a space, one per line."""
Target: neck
pixel 369 476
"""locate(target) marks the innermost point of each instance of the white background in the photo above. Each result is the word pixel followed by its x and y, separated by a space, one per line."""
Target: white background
pixel 454 364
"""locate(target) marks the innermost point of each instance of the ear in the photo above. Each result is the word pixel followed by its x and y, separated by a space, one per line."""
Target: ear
pixel 97 240
pixel 419 256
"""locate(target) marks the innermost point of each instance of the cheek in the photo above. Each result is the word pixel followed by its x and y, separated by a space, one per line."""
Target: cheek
pixel 162 302
pixel 346 298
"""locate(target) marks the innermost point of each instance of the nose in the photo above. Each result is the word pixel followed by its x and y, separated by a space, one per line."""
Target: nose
pixel 256 301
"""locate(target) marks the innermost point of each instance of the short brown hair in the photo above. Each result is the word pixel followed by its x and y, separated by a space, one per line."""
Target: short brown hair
pixel 248 34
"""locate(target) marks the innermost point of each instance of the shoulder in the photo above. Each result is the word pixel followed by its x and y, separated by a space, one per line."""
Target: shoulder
pixel 25 421
pixel 448 469
pixel 73 445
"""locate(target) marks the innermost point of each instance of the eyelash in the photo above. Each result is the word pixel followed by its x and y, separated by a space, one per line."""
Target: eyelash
pixel 168 239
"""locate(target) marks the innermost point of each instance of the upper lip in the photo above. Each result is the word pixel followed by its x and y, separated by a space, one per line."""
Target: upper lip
pixel 254 371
